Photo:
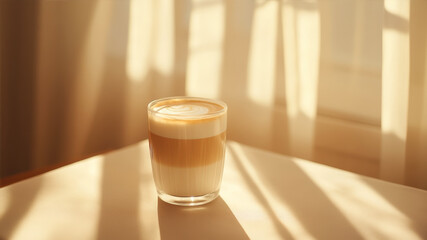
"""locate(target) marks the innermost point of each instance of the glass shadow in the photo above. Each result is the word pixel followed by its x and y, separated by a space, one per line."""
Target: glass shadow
pixel 214 220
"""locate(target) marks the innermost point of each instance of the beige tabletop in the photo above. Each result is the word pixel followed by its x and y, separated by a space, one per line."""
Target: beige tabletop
pixel 263 196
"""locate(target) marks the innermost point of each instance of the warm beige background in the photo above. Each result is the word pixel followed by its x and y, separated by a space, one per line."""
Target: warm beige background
pixel 342 82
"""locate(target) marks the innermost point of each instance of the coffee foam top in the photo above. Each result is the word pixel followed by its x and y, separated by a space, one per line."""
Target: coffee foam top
pixel 187 118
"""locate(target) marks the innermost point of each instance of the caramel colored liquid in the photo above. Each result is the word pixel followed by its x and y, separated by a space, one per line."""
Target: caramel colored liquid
pixel 187 152
pixel 187 167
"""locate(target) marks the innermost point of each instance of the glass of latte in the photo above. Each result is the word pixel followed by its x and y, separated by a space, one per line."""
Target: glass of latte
pixel 187 146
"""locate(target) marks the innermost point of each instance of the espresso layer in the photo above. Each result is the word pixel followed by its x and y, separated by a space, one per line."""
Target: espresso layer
pixel 187 152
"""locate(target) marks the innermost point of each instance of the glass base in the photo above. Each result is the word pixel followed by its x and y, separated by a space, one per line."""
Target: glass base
pixel 188 201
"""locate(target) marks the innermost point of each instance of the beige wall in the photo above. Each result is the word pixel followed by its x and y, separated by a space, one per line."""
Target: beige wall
pixel 66 89
pixel 338 82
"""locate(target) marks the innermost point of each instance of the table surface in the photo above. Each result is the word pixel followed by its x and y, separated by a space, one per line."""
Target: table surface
pixel 263 196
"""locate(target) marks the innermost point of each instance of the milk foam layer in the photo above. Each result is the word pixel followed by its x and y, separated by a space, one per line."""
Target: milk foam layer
pixel 187 118
pixel 186 110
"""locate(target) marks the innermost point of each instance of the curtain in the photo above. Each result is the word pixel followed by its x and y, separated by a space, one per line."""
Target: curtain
pixel 339 82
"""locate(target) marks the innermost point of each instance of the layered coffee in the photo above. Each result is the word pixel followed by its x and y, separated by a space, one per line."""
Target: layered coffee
pixel 187 144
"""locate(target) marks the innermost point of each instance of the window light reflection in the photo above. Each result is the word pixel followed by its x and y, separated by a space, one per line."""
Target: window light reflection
pixel 140 29
pixel 262 55
pixel 205 48
pixel 395 95
pixel 164 37
pixel 301 30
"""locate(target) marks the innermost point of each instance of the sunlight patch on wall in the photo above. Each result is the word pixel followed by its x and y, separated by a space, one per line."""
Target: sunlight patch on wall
pixel 395 74
pixel 205 48
pixel 140 30
pixel 301 33
pixel 395 93
pixel 308 50
pixel 262 55
pixel 164 37
pixel 291 63
pixel 302 42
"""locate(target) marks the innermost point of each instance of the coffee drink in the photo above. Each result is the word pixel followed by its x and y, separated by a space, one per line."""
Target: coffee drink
pixel 187 145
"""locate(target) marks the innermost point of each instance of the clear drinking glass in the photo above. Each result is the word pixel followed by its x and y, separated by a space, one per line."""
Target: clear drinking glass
pixel 187 146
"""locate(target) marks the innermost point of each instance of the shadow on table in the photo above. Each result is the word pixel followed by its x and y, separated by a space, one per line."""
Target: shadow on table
pixel 21 199
pixel 285 180
pixel 211 221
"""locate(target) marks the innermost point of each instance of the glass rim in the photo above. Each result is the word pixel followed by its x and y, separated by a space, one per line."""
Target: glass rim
pixel 223 110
